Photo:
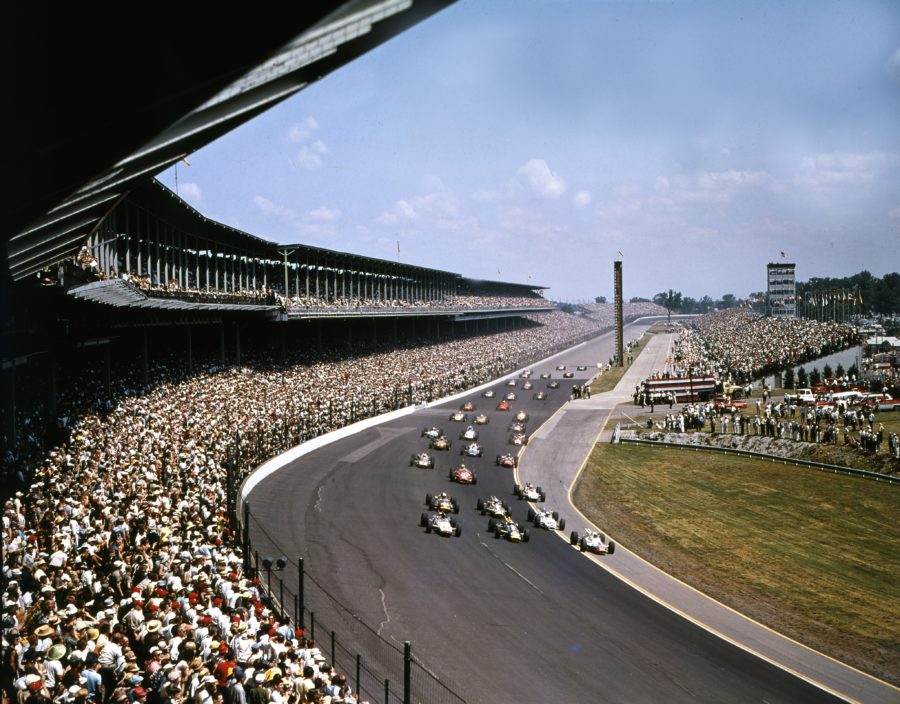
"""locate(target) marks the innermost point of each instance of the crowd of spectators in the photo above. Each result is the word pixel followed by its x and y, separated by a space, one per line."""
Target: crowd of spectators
pixel 449 302
pixel 124 581
pixel 740 346
pixel 605 313
pixel 832 425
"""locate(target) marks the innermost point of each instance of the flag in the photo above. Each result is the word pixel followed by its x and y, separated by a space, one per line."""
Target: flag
pixel 398 249
pixel 784 255
pixel 186 162
pixel 620 253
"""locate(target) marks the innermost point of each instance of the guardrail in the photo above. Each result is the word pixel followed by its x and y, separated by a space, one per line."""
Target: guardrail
pixel 834 468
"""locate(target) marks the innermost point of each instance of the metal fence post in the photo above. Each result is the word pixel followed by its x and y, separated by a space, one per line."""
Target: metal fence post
pixel 358 668
pixel 281 609
pixel 407 666
pixel 246 537
pixel 387 692
pixel 300 595
pixel 312 625
pixel 333 651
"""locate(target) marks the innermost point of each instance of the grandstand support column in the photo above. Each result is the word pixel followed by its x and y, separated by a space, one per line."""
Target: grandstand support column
pixel 50 400
pixel 145 355
pixel 190 350
pixel 237 345
pixel 107 366
pixel 9 404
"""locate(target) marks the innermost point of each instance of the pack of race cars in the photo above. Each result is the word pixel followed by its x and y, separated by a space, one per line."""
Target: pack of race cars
pixel 441 517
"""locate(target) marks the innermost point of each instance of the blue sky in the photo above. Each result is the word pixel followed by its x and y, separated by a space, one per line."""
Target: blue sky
pixel 701 139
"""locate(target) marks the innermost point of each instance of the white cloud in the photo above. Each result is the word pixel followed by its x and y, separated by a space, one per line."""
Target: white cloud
pixel 706 187
pixel 542 180
pixel 301 131
pixel 581 199
pixel 271 209
pixel 437 209
pixel 323 214
pixel 310 155
pixel 191 193
pixel 893 64
pixel 839 169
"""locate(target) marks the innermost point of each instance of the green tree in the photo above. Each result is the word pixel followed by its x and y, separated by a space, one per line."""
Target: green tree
pixel 815 377
pixel 729 301
pixel 839 370
pixel 599 299
pixel 853 371
pixel 827 372
pixel 789 378
pixel 705 304
pixel 670 300
pixel 638 299
pixel 802 380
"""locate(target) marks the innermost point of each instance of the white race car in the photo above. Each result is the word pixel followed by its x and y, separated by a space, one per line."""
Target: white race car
pixel 518 439
pixel 511 396
pixel 473 449
pixel 521 417
pixel 422 460
pixel 488 394
pixel 469 434
pixel 548 520
pixel 530 492
pixel 440 523
pixel 592 541
pixel 432 432
pixel 516 427
pixel 527 386
pixel 511 382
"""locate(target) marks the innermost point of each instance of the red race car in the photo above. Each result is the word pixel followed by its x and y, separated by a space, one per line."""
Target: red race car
pixel 503 406
pixel 463 475
pixel 509 460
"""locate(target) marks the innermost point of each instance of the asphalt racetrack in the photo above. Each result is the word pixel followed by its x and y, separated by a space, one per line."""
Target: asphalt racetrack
pixel 498 621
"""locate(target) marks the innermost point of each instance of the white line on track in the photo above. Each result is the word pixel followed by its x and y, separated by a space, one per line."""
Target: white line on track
pixel 318 504
pixel 387 616
pixel 513 569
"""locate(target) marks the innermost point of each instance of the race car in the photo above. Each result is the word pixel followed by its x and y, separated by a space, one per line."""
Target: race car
pixel 493 506
pixel 459 417
pixel 469 434
pixel 540 396
pixel 432 432
pixel 516 427
pixel 507 528
pixel 521 417
pixel 440 443
pixel 440 523
pixel 482 419
pixel 549 520
pixel 527 386
pixel 467 406
pixel 526 374
pixel 463 475
pixel 529 492
pixel 592 541
pixel 488 394
pixel 473 449
pixel 422 460
pixel 509 460
pixel 569 375
pixel 560 367
pixel 442 502
pixel 511 396
pixel 546 375
pixel 519 439
pixel 503 406
pixel 553 385
pixel 581 368
pixel 511 382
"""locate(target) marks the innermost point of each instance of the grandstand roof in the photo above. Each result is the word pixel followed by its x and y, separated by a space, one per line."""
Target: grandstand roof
pixel 101 104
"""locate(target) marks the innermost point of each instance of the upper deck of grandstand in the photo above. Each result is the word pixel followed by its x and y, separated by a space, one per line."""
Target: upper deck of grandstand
pixel 153 250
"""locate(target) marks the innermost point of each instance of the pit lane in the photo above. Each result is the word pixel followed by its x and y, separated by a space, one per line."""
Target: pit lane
pixel 497 621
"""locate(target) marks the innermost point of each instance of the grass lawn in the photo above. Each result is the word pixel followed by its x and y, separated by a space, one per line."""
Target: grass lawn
pixel 815 556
